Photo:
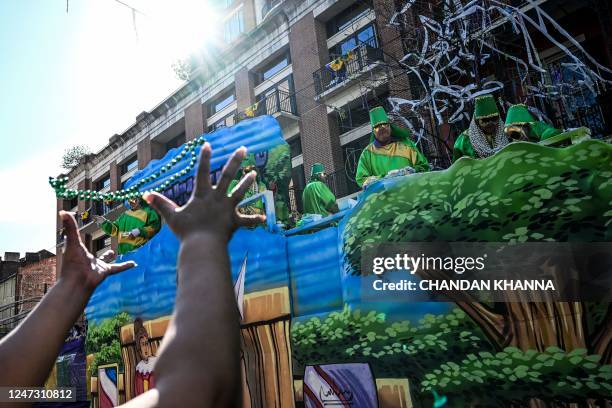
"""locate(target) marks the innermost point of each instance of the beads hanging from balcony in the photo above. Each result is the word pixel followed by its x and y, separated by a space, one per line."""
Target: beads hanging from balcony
pixel 59 184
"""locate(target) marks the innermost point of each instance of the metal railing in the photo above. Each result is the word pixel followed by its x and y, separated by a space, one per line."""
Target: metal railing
pixel 278 101
pixel 363 55
pixel 9 323
pixel 351 119
pixel 295 200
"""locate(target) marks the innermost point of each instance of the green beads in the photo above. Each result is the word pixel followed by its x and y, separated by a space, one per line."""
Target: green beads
pixel 59 184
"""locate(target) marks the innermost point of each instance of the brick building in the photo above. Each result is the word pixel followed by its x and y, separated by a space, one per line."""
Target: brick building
pixel 274 61
pixel 23 281
pixel 37 273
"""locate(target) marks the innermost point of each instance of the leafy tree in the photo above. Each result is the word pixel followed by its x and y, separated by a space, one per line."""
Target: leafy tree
pixel 103 341
pixel 393 349
pixel 278 167
pixel 438 355
pixel 73 155
pixel 182 69
pixel 553 376
pixel 526 192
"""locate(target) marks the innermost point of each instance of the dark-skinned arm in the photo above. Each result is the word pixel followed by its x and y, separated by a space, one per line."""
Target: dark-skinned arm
pixel 198 363
pixel 28 353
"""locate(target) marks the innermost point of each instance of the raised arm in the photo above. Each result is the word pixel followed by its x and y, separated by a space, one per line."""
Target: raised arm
pixel 28 353
pixel 107 226
pixel 198 363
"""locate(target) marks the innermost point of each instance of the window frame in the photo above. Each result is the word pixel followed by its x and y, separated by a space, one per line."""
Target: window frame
pixel 295 141
pixel 238 15
pixel 340 22
pixel 336 50
pixel 273 63
pixel 129 164
pixel 103 182
pixel 213 104
pixel 217 124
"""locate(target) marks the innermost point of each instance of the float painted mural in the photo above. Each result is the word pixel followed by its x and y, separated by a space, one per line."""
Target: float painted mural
pixel 309 336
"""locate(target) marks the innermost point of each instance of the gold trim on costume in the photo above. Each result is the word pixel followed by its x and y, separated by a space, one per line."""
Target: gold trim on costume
pixel 490 115
pixel 139 214
pixel 394 149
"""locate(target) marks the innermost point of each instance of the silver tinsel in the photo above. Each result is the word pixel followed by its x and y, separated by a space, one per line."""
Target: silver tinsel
pixel 479 140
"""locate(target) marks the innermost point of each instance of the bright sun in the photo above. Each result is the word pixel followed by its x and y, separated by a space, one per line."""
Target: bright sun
pixel 179 28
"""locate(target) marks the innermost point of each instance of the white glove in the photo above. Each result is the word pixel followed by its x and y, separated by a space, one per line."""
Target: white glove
pixel 368 181
pixel 407 170
pixel 401 172
pixel 135 232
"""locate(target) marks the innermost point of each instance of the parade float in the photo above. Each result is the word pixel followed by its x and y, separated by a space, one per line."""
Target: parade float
pixel 310 336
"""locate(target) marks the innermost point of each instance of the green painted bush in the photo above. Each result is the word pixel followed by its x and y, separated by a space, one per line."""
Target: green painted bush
pixel 103 341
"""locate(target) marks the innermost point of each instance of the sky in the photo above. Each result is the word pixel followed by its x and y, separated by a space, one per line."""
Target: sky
pixel 77 78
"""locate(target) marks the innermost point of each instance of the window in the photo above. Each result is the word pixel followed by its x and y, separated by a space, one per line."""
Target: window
pixel 226 121
pixel 367 35
pixel 221 102
pixel 271 69
pixel 346 18
pixel 295 146
pixel 357 113
pixel 103 183
pixel 297 188
pixel 234 26
pixel 129 165
pixel 175 142
pixel 101 208
pixel 101 243
pixel 278 98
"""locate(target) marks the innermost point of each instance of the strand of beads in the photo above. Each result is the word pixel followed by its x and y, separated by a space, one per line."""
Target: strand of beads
pixel 59 184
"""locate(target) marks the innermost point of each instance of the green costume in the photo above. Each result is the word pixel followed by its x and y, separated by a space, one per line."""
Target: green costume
pixel 519 115
pixel 377 161
pixel 144 220
pixel 317 197
pixel 256 188
pixel 484 107
pixel 463 147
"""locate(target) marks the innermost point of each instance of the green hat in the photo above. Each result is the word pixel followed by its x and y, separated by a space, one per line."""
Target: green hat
pixel 485 107
pixel 317 169
pixel 519 115
pixel 378 116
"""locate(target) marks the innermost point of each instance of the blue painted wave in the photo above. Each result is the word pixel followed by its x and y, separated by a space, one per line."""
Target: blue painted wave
pixel 311 265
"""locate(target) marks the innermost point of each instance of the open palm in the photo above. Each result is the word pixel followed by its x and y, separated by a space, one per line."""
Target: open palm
pixel 79 265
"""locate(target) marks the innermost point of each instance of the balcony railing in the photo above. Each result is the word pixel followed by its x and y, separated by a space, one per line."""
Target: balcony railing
pixel 355 62
pixel 350 119
pixel 278 101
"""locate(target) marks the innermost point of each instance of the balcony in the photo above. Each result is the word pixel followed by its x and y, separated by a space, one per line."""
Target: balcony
pixel 277 103
pixel 357 62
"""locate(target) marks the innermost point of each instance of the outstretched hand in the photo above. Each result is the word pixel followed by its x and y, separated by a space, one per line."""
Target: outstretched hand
pixel 210 210
pixel 79 266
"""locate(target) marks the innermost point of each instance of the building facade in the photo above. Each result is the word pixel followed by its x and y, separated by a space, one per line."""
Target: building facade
pixel 23 281
pixel 281 58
